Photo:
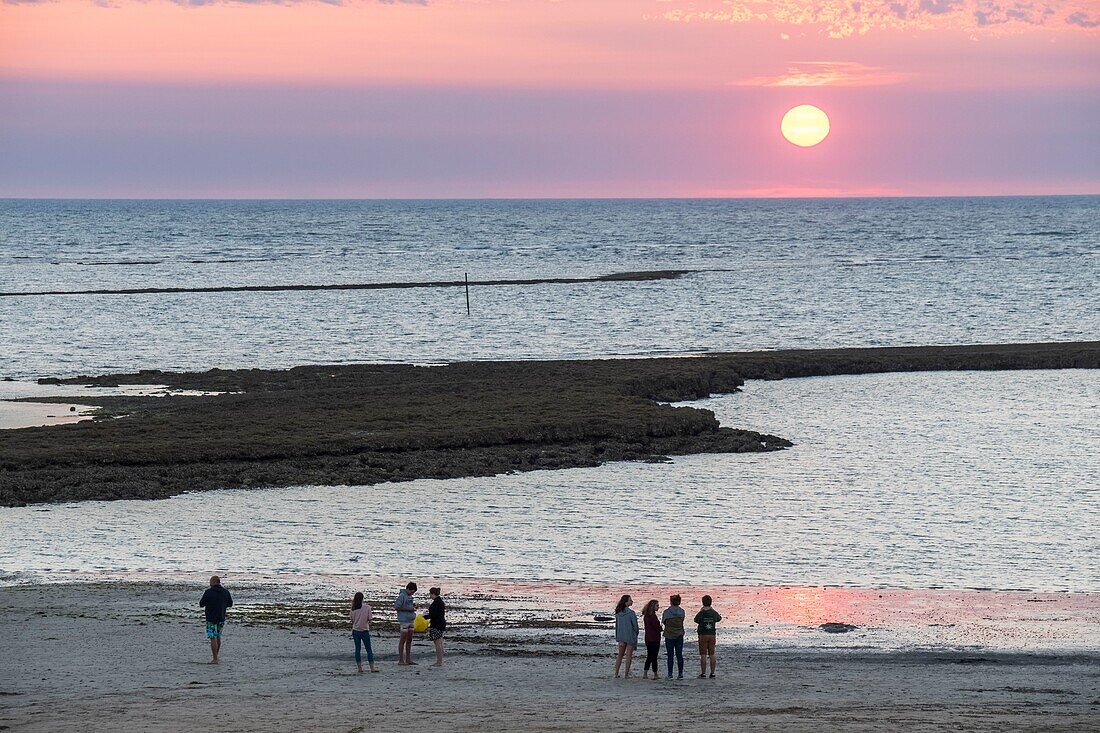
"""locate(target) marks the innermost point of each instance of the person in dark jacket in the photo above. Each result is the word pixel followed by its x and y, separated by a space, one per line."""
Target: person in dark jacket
pixel 707 619
pixel 215 600
pixel 437 623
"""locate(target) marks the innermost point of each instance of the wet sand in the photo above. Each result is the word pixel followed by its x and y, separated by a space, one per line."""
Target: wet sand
pixel 131 656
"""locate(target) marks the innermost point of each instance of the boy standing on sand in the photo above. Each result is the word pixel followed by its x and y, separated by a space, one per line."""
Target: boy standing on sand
pixel 707 619
pixel 406 614
pixel 215 600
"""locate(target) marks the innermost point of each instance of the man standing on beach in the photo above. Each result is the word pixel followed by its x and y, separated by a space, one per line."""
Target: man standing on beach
pixel 406 615
pixel 215 600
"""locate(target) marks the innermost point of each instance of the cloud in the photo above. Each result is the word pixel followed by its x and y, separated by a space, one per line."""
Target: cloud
pixel 730 12
pixel 201 3
pixel 834 18
pixel 939 7
pixel 842 18
pixel 828 74
pixel 1029 13
pixel 1082 19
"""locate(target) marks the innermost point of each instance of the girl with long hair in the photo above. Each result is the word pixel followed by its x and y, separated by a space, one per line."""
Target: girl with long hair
pixel 626 633
pixel 360 631
pixel 652 638
pixel 437 623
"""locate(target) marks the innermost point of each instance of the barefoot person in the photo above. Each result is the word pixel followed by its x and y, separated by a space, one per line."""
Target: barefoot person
pixel 707 619
pixel 360 631
pixel 652 638
pixel 214 601
pixel 673 618
pixel 437 623
pixel 406 614
pixel 626 633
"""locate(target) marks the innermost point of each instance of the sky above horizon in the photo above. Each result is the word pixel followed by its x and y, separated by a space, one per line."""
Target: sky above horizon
pixel 530 98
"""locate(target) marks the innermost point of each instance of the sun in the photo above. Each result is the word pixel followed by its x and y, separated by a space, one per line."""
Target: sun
pixel 805 125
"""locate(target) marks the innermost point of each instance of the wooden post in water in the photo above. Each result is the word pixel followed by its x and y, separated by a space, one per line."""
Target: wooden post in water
pixel 467 293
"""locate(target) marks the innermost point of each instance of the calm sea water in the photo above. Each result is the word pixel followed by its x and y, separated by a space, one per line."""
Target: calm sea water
pixel 778 274
pixel 956 480
pixel 915 480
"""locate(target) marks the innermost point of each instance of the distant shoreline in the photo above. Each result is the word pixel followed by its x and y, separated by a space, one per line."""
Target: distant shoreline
pixel 373 423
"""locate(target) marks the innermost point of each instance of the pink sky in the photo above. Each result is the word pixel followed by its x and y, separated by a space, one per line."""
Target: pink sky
pixel 546 97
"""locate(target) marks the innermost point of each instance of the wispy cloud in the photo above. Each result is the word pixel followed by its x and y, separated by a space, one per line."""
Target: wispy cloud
pixel 835 18
pixel 843 18
pixel 828 74
pixel 1083 19
pixel 201 3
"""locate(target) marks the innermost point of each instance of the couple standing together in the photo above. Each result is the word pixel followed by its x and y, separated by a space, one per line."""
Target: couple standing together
pixel 672 625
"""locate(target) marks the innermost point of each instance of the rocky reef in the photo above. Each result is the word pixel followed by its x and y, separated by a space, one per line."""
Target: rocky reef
pixel 369 423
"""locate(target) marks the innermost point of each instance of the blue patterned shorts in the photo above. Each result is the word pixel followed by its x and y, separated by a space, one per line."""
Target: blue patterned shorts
pixel 214 630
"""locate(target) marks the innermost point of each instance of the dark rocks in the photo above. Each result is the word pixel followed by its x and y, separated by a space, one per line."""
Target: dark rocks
pixel 640 275
pixel 372 423
pixel 834 627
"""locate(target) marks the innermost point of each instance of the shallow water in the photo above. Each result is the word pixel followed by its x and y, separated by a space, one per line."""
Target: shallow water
pixel 17 414
pixel 795 273
pixel 957 480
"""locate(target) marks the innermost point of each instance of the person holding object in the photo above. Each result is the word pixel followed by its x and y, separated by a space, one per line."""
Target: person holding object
pixel 707 619
pixel 437 623
pixel 360 631
pixel 626 633
pixel 406 614
pixel 215 600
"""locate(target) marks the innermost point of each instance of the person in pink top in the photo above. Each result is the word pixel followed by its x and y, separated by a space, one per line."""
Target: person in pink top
pixel 360 631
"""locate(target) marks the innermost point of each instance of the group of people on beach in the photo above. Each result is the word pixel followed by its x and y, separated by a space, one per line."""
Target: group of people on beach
pixel 671 626
pixel 435 616
pixel 216 600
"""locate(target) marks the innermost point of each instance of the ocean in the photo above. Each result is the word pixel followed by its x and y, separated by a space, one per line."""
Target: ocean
pixel 771 274
pixel 952 480
pixel 967 480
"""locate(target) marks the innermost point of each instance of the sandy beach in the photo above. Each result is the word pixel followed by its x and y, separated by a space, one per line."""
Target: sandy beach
pixel 132 656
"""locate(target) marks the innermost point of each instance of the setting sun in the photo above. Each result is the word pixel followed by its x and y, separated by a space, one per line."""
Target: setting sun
pixel 805 125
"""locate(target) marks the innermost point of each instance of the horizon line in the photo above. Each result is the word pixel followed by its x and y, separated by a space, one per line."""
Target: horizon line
pixel 793 197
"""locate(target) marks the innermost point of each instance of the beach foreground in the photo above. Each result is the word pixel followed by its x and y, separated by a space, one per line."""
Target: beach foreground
pixel 131 656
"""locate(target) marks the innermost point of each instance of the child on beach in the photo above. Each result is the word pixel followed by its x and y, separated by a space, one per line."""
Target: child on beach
pixel 406 614
pixel 652 638
pixel 360 631
pixel 707 619
pixel 626 633
pixel 673 618
pixel 437 623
